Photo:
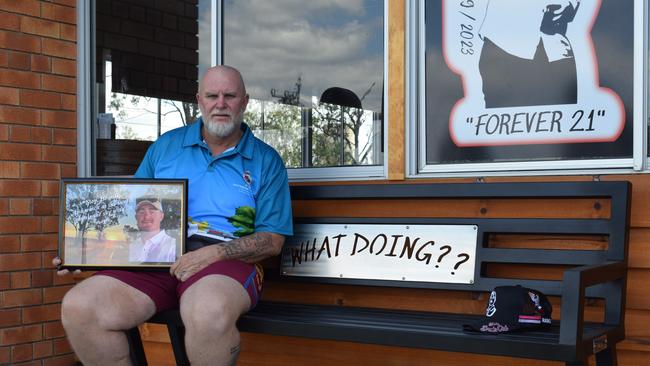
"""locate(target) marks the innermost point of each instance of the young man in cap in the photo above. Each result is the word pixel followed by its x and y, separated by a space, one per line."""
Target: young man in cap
pixel 237 185
pixel 153 244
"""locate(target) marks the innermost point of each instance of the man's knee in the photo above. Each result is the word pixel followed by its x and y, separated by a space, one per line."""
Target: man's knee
pixel 216 317
pixel 76 308
pixel 105 303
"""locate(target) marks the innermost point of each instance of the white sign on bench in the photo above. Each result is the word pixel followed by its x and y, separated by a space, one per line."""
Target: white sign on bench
pixel 427 253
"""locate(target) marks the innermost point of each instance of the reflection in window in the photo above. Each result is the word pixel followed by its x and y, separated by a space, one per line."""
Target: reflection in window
pixel 339 135
pixel 149 57
pixel 314 71
pixel 144 118
pixel 279 126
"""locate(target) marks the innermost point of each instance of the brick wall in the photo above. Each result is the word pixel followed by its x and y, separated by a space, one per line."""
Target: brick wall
pixel 37 148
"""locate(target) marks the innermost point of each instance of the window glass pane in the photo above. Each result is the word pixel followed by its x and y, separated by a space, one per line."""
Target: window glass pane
pixel 538 86
pixel 149 57
pixel 279 126
pixel 314 71
pixel 137 117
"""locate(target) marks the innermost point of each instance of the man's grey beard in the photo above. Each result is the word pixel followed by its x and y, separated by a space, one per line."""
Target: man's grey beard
pixel 219 129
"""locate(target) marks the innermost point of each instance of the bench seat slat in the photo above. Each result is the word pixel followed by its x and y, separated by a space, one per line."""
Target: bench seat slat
pixel 460 190
pixel 407 329
pixel 543 256
pixel 488 225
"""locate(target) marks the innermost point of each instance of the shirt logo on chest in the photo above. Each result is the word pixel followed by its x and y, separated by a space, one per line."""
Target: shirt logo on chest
pixel 247 178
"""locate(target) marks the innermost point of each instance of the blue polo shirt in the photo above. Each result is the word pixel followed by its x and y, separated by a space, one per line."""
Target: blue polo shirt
pixel 243 190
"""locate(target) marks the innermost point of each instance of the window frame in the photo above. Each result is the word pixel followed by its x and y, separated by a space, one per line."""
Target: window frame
pixel 85 94
pixel 87 110
pixel 416 119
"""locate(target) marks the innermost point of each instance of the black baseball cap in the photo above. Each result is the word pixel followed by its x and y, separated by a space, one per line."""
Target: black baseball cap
pixel 513 308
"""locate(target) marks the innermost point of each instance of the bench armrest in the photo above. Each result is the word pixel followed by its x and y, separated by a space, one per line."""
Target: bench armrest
pixel 612 275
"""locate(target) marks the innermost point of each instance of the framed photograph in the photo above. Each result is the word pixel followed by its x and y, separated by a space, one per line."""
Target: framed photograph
pixel 122 222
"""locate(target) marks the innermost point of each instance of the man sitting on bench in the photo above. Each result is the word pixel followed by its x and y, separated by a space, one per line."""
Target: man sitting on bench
pixel 238 188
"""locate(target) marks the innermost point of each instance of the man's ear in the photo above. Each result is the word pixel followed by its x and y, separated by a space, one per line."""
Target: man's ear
pixel 245 103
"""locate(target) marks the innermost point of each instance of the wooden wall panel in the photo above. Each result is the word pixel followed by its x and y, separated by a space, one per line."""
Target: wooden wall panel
pixel 637 326
pixel 640 197
pixel 274 350
pixel 638 289
pixel 396 89
pixel 159 353
pixel 639 256
pixel 281 351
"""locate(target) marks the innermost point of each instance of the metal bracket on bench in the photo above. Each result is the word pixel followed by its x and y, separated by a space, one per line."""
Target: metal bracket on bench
pixel 170 318
pixel 600 343
pixel 136 350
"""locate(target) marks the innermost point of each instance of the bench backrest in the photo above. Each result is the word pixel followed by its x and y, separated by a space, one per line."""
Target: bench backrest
pixel 610 228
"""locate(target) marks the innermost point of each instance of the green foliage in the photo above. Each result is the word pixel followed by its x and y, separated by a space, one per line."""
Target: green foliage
pixel 118 103
pixel 172 211
pixel 126 132
pixel 330 122
pixel 244 219
pixel 279 126
pixel 337 135
pixel 326 126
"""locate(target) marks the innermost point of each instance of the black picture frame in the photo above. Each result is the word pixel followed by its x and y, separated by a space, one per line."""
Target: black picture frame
pixel 127 223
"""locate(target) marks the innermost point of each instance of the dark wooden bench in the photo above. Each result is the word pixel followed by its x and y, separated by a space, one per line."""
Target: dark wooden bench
pixel 588 274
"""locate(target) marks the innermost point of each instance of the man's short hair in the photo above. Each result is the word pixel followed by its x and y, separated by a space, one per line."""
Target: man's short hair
pixel 152 201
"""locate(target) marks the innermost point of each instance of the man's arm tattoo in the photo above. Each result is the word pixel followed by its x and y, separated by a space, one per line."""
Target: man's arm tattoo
pixel 250 248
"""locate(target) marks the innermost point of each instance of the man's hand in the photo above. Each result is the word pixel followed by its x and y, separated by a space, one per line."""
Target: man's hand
pixel 557 15
pixel 56 261
pixel 565 8
pixel 250 248
pixel 194 261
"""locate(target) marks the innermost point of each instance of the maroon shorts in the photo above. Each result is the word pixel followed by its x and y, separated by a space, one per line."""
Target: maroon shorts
pixel 165 290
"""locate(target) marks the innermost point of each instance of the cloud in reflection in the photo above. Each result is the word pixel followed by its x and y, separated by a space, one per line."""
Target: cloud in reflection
pixel 325 42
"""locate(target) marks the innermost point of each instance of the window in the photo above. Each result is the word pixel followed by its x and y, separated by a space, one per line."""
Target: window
pixel 536 91
pixel 315 74
pixel 139 64
pixel 314 71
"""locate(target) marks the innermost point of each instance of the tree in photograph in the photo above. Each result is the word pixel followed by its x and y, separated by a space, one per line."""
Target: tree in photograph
pixel 108 213
pixel 93 206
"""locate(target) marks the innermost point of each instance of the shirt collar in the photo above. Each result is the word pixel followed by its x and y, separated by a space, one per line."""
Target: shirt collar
pixel 244 146
pixel 154 240
pixel 193 134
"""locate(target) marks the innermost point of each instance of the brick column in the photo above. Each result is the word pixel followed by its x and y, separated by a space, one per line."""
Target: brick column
pixel 37 148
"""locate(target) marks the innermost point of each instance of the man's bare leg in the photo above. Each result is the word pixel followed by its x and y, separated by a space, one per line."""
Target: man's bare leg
pixel 210 309
pixel 95 314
